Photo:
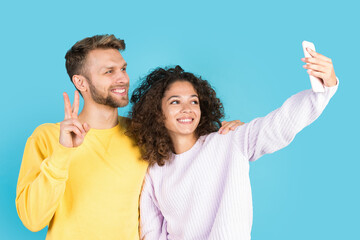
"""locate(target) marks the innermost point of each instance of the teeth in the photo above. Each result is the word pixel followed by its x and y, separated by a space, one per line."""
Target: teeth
pixel 119 90
pixel 185 120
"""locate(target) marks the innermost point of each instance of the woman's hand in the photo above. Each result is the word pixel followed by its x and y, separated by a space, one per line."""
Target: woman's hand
pixel 321 67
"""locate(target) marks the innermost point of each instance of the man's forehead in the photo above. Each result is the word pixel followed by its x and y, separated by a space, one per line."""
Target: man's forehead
pixel 105 57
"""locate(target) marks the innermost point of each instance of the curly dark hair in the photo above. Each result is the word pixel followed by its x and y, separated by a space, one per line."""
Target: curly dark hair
pixel 147 125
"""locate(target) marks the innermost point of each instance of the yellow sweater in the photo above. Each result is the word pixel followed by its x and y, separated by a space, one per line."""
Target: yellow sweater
pixel 88 192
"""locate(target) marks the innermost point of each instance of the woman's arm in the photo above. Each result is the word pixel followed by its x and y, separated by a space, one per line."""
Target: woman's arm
pixel 152 222
pixel 278 129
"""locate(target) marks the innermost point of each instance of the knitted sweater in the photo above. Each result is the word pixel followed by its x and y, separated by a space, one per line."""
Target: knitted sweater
pixel 88 192
pixel 205 193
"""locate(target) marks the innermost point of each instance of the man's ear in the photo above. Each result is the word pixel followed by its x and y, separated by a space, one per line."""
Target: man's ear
pixel 80 83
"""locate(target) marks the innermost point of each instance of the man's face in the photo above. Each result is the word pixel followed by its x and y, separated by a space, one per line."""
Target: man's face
pixel 107 77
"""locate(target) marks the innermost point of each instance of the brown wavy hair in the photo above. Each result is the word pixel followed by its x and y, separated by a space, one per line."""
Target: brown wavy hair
pixel 147 124
pixel 77 54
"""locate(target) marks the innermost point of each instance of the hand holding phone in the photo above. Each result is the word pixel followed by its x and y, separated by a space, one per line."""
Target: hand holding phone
pixel 316 83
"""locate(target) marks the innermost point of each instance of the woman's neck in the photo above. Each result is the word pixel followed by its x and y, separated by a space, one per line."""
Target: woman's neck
pixel 183 143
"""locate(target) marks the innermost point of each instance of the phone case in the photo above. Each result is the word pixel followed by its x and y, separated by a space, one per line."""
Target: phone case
pixel 316 83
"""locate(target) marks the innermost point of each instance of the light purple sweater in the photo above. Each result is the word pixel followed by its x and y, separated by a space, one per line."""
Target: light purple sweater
pixel 205 193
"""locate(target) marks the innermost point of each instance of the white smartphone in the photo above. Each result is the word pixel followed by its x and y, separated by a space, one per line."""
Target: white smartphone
pixel 316 83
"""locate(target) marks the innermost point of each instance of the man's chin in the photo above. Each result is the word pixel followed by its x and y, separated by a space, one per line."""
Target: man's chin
pixel 118 104
pixel 123 104
pixel 111 101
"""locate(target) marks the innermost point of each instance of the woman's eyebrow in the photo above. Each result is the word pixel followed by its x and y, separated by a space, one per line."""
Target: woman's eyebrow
pixel 177 96
pixel 174 96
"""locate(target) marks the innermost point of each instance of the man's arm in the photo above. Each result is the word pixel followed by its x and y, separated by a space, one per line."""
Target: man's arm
pixel 42 179
pixel 45 165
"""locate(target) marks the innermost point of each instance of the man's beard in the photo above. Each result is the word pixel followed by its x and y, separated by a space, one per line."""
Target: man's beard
pixel 109 100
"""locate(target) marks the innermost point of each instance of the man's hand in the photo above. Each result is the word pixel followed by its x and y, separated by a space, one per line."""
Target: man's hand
pixel 321 67
pixel 226 126
pixel 72 132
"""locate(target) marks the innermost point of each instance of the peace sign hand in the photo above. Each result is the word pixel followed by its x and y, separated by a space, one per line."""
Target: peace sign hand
pixel 72 132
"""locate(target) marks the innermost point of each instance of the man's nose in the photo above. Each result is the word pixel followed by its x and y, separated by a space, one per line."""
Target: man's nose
pixel 122 77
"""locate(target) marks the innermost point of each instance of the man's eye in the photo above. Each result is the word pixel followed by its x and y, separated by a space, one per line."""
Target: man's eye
pixel 107 72
pixel 123 69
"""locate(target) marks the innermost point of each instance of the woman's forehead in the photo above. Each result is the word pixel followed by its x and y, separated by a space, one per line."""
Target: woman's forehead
pixel 180 88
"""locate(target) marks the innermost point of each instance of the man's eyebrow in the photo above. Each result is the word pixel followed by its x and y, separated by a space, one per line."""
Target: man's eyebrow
pixel 107 67
pixel 112 66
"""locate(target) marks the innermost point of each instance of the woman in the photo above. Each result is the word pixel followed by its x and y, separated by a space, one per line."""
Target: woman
pixel 197 185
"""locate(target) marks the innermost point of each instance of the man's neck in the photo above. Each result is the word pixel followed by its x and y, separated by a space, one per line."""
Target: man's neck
pixel 99 116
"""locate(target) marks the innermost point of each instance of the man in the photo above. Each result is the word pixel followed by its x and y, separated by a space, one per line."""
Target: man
pixel 85 188
pixel 82 177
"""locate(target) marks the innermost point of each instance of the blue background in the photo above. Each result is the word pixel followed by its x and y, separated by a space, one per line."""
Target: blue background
pixel 249 50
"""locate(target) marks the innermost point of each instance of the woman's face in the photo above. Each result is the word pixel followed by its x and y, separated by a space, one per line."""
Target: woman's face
pixel 181 108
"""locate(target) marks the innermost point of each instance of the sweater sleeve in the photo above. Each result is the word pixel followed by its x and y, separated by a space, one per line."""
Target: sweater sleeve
pixel 276 130
pixel 152 223
pixel 42 180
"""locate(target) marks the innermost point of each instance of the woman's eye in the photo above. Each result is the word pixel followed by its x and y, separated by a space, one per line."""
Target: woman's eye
pixel 195 102
pixel 110 71
pixel 174 102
